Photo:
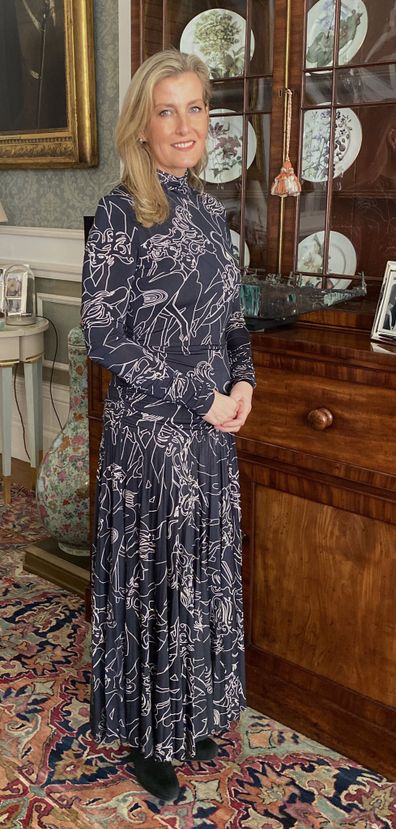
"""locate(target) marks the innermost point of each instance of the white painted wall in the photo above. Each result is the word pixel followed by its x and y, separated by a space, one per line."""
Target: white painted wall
pixel 52 253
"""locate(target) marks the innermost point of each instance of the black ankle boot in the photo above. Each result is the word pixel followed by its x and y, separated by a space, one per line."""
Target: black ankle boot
pixel 205 749
pixel 158 778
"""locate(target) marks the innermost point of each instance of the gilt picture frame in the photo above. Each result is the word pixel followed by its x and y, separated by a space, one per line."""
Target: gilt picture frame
pixel 384 325
pixel 47 84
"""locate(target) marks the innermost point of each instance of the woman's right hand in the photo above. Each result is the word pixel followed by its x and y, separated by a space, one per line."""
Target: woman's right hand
pixel 223 408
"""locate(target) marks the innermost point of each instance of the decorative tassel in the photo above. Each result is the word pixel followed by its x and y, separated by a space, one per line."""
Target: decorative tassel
pixel 286 182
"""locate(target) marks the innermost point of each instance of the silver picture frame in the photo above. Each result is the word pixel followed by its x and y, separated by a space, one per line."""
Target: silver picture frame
pixel 384 325
pixel 15 292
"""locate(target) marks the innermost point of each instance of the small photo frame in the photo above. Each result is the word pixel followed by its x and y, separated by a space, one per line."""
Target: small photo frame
pixel 15 292
pixel 384 326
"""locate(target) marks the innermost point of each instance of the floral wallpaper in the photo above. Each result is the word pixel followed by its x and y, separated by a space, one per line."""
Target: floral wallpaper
pixel 60 198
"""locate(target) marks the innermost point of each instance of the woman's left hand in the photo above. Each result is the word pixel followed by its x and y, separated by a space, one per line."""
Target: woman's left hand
pixel 242 393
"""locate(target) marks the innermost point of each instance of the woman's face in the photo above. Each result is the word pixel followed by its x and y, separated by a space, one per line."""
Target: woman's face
pixel 177 130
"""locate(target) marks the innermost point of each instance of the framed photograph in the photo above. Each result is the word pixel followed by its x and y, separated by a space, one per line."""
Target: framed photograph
pixel 15 293
pixel 384 326
pixel 47 84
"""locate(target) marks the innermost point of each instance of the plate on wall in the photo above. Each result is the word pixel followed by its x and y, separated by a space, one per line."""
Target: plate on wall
pixel 236 242
pixel 320 32
pixel 217 36
pixel 316 143
pixel 342 258
pixel 225 146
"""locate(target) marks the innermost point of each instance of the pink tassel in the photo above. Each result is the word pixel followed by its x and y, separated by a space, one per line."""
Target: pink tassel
pixel 286 182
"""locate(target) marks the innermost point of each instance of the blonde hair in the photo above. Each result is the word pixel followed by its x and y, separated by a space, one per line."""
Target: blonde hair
pixel 139 172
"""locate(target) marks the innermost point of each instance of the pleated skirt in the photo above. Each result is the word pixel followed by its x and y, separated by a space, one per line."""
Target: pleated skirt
pixel 167 626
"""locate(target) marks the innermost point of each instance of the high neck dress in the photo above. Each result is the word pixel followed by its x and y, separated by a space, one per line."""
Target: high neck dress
pixel 161 311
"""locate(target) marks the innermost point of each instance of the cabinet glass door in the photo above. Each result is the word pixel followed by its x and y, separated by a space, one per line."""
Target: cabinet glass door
pixel 347 211
pixel 235 40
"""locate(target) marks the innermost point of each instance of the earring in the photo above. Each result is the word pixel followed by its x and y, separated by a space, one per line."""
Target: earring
pixel 141 141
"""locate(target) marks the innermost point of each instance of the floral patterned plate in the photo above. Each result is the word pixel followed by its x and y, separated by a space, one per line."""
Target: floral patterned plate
pixel 218 37
pixel 316 143
pixel 342 258
pixel 225 146
pixel 320 32
pixel 236 243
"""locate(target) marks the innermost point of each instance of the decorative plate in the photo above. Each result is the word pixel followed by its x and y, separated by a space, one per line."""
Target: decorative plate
pixel 218 37
pixel 225 146
pixel 320 32
pixel 342 258
pixel 236 240
pixel 316 143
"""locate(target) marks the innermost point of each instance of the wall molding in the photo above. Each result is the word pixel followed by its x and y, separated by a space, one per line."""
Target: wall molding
pixel 56 299
pixel 52 253
pixel 61 398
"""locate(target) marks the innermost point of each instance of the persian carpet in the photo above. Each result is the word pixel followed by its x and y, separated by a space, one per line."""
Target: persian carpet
pixel 19 521
pixel 52 775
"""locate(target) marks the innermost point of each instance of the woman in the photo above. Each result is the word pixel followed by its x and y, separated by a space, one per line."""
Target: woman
pixel 161 311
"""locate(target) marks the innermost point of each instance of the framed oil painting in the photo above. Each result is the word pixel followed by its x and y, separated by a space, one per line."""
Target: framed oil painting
pixel 47 84
pixel 384 326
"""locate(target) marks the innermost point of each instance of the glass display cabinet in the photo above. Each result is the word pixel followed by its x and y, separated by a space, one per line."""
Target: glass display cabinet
pixel 347 211
pixel 317 454
pixel 236 40
pixel 338 57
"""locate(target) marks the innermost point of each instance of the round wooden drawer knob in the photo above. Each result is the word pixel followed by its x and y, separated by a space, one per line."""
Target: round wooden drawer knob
pixel 320 419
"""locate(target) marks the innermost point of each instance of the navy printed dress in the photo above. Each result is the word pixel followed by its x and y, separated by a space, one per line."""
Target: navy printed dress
pixel 161 310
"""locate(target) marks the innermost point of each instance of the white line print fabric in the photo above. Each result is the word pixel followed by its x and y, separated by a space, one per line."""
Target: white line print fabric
pixel 161 310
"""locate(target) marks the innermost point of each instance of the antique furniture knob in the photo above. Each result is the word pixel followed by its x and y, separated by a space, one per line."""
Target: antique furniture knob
pixel 320 419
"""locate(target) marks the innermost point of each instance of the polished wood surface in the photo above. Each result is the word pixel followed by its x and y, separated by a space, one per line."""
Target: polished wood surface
pixel 46 560
pixel 324 599
pixel 319 540
pixel 360 421
pixel 97 389
pixel 322 710
pixel 21 473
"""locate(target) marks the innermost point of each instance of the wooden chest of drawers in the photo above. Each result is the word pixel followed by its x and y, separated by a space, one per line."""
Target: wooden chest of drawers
pixel 318 482
pixel 326 418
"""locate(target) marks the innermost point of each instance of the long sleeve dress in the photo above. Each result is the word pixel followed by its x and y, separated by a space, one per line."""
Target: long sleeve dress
pixel 161 310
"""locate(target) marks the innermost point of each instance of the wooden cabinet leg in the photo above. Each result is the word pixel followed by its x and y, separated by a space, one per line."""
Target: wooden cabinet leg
pixel 6 416
pixel 7 489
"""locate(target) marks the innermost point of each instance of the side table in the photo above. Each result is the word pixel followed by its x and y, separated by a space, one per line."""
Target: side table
pixel 22 344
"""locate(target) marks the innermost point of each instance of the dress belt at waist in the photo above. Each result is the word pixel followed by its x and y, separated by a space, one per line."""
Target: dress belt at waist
pixel 192 349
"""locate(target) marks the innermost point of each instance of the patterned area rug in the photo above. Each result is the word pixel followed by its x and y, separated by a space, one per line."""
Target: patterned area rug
pixel 19 521
pixel 52 776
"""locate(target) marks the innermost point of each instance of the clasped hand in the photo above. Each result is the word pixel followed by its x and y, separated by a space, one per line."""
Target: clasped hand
pixel 229 412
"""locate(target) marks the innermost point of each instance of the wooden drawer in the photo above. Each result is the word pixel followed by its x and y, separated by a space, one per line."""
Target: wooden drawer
pixel 363 428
